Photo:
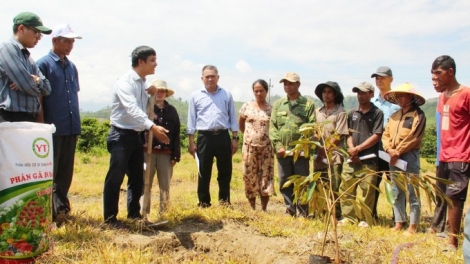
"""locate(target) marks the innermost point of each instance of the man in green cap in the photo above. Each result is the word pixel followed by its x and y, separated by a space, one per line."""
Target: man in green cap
pixel 21 82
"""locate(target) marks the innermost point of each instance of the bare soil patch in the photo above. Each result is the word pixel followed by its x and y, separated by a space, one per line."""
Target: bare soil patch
pixel 219 241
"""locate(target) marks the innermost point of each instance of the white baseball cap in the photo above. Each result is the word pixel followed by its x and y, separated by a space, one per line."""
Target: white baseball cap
pixel 65 31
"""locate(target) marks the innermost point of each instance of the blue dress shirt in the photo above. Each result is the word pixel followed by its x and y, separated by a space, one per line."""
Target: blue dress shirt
pixel 387 108
pixel 61 106
pixel 209 111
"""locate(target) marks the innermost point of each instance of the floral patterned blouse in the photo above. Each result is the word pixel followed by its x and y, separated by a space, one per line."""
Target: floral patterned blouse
pixel 256 124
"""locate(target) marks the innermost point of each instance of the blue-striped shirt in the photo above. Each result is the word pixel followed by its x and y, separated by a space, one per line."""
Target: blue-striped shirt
pixel 129 103
pixel 61 106
pixel 16 66
pixel 211 111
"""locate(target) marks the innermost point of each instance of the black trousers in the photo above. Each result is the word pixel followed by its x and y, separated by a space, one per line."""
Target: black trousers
pixel 208 147
pixel 439 218
pixel 382 167
pixel 7 116
pixel 127 157
pixel 64 157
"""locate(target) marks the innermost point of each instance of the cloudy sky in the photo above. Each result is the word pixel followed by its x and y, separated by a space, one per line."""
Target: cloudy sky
pixel 337 40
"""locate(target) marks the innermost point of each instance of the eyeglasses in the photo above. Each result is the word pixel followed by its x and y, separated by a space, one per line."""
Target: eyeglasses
pixel 38 33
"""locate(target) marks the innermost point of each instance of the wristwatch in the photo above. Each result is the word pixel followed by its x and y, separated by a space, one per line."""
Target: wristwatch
pixel 235 137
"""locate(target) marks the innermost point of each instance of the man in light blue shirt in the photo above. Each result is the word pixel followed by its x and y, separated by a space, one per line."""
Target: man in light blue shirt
pixel 212 113
pixel 128 120
pixel 383 79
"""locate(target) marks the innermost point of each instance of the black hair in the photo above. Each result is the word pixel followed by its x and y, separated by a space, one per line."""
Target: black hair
pixel 446 62
pixel 262 82
pixel 141 53
pixel 15 28
pixel 338 97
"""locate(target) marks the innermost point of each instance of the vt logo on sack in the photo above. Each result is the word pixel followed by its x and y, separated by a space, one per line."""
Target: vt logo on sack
pixel 41 147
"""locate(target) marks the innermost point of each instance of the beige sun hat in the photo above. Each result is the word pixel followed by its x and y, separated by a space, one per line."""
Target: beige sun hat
pixel 161 85
pixel 404 88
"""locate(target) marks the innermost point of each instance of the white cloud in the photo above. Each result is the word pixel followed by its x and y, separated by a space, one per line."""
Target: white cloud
pixel 342 40
pixel 242 66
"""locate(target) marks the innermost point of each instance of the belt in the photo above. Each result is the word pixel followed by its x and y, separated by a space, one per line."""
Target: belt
pixel 214 132
pixel 10 113
pixel 127 130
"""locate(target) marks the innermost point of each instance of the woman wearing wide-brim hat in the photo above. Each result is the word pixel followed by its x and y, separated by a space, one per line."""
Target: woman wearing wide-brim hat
pixel 402 140
pixel 164 156
pixel 334 120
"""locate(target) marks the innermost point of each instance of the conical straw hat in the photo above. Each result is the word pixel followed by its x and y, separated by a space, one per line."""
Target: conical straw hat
pixel 404 88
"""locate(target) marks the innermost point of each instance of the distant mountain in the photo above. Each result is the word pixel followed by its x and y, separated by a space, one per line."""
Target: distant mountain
pixel 350 101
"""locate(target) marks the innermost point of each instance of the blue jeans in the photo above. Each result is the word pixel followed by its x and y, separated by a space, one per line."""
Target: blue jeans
pixel 127 157
pixel 286 168
pixel 399 207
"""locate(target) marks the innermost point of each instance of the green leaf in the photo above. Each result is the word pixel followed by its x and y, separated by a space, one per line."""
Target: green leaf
pixel 445 181
pixel 389 193
pixel 311 190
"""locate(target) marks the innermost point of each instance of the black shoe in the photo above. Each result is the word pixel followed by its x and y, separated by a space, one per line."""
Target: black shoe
pixel 225 203
pixel 204 205
pixel 135 217
pixel 289 212
pixel 116 224
pixel 61 217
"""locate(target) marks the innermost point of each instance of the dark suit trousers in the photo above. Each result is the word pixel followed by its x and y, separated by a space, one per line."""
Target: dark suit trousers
pixel 208 147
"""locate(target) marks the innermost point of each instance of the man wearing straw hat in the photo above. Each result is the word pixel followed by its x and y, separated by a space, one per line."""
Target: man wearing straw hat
pixel 163 156
pixel 454 156
pixel 128 119
pixel 21 82
pixel 402 140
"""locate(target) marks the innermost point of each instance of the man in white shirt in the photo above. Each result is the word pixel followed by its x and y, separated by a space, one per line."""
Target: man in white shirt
pixel 128 120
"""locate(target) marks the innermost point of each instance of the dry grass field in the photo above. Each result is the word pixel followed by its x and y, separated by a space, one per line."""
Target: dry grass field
pixel 219 234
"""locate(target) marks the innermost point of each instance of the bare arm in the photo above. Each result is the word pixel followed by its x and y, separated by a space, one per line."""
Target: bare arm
pixel 192 146
pixel 241 123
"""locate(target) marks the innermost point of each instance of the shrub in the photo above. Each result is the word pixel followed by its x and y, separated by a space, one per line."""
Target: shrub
pixel 94 134
pixel 429 144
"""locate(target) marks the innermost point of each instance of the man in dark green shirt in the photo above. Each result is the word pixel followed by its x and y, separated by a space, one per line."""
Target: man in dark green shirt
pixel 288 114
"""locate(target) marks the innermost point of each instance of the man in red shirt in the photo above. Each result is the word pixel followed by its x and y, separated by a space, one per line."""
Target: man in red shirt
pixel 454 158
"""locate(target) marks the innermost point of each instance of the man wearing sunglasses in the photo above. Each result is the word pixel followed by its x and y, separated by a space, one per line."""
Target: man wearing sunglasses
pixel 21 82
